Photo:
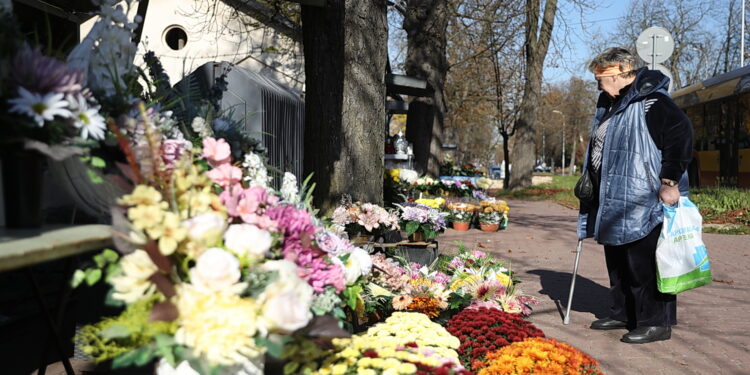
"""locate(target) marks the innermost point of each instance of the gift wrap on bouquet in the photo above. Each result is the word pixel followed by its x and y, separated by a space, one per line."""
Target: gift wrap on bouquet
pixel 681 257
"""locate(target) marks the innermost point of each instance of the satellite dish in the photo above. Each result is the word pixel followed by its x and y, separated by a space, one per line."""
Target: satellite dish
pixel 665 71
pixel 654 45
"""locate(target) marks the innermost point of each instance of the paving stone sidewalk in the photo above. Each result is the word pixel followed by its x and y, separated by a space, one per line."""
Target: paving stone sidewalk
pixel 713 331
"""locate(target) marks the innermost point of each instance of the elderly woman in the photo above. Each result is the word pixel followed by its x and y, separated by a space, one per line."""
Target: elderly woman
pixel 640 147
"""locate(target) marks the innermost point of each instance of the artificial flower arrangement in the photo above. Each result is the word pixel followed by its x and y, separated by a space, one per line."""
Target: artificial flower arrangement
pixel 418 218
pixel 461 211
pixel 406 343
pixel 364 218
pixel 215 265
pixel 539 355
pixel 483 330
pixel 402 175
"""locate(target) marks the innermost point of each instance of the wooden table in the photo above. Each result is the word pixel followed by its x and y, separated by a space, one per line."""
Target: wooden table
pixel 24 248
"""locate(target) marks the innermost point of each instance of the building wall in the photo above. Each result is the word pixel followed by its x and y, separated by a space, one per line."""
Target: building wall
pixel 216 32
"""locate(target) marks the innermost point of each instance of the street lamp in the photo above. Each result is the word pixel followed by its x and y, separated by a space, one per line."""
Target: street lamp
pixel 563 139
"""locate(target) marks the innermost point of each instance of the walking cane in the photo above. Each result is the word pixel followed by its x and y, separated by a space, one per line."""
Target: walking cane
pixel 566 319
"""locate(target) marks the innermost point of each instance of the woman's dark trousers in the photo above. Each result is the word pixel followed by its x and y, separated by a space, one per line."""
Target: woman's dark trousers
pixel 632 280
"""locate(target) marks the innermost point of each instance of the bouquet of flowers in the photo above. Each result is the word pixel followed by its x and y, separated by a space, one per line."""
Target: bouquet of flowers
pixel 482 331
pixel 214 263
pixel 424 292
pixel 539 355
pixel 477 280
pixel 416 217
pixel 360 218
pixel 435 203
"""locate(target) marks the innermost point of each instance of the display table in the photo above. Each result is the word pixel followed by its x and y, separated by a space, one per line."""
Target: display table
pixel 24 248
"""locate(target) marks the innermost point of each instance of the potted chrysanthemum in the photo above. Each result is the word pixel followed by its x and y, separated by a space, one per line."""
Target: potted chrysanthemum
pixel 492 214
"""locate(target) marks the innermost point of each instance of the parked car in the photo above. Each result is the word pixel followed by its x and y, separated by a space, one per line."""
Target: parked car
pixel 542 168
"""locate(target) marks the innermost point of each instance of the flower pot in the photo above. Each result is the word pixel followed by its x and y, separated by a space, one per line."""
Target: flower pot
pixel 488 227
pixel 461 225
pixel 23 178
pixel 417 237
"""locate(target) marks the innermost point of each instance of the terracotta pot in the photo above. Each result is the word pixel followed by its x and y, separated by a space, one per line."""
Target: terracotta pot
pixel 488 227
pixel 417 237
pixel 461 225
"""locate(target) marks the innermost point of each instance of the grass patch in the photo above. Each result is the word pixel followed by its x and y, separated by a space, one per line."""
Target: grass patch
pixel 560 190
pixel 726 206
pixel 726 210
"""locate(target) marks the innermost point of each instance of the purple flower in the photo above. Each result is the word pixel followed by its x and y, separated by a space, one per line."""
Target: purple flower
pixel 456 263
pixel 43 74
pixel 441 278
pixel 479 194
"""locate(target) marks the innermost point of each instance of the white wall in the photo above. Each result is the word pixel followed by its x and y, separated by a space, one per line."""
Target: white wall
pixel 216 33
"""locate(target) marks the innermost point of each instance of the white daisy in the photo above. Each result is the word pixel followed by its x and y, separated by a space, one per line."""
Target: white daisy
pixel 87 118
pixel 40 107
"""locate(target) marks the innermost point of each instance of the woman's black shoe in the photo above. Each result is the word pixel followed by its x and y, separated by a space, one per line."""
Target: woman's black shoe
pixel 642 335
pixel 608 323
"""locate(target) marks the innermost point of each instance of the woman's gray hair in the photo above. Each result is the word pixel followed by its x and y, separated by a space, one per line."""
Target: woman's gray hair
pixel 614 56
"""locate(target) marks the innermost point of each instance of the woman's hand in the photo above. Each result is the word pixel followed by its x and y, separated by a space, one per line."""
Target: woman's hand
pixel 669 194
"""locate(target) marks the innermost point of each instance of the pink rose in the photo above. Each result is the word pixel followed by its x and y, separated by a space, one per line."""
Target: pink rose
pixel 216 151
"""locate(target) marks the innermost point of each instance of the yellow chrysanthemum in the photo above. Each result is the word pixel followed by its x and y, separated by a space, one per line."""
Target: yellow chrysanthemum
pixel 133 283
pixel 169 233
pixel 219 326
pixel 394 174
pixel 503 279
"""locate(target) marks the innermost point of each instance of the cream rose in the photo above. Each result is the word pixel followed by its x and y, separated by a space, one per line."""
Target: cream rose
pixel 247 240
pixel 206 228
pixel 217 270
pixel 286 302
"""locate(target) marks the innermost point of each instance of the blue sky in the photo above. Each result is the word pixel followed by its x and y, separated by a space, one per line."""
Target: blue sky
pixel 564 61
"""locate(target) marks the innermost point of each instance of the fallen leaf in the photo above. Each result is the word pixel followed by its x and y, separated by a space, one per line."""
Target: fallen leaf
pixel 530 238
pixel 483 246
pixel 510 251
pixel 728 282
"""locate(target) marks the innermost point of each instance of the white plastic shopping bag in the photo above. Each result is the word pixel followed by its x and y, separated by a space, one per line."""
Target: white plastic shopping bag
pixel 681 257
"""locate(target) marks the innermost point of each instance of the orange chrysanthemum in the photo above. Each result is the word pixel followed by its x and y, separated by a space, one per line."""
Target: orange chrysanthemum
pixel 539 355
pixel 426 305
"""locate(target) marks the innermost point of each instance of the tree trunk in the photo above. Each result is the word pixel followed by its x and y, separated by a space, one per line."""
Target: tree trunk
pixel 426 24
pixel 537 42
pixel 345 59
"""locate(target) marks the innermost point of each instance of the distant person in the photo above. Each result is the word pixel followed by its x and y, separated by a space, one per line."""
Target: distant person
pixel 641 144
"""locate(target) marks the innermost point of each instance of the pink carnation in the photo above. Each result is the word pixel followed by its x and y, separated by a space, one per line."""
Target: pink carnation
pixel 216 151
pixel 313 267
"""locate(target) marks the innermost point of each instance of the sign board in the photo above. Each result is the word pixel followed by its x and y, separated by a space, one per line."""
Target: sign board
pixel 654 45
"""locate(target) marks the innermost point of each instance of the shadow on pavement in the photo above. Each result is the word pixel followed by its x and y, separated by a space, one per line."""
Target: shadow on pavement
pixel 589 296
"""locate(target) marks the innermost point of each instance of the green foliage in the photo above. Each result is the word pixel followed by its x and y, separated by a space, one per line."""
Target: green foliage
pixel 560 190
pixel 104 263
pixel 720 199
pixel 129 335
